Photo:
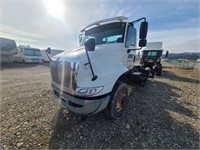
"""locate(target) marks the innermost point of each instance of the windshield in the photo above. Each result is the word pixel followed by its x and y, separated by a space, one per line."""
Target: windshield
pixel 32 52
pixel 109 33
pixel 7 44
pixel 152 53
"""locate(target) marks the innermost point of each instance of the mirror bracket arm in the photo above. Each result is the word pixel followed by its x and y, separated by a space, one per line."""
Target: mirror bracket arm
pixel 143 18
pixel 94 77
pixel 129 50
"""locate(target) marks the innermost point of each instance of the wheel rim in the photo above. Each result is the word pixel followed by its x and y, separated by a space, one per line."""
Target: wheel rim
pixel 121 97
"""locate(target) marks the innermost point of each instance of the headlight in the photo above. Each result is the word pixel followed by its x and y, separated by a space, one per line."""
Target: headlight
pixel 88 91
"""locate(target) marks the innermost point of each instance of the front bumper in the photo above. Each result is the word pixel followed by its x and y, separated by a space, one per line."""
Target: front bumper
pixel 79 105
pixel 33 60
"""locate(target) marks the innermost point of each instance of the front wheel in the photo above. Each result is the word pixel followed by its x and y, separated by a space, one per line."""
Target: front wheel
pixel 118 100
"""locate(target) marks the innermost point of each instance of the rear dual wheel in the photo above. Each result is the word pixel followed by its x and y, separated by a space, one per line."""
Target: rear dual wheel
pixel 159 70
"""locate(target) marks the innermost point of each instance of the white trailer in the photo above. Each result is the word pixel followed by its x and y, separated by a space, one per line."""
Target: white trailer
pixel 8 48
pixel 28 54
pixel 48 53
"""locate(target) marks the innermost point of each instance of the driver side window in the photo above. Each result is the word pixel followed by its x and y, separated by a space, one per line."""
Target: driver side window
pixel 130 37
pixel 113 39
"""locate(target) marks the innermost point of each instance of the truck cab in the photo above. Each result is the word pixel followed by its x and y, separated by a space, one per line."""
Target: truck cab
pixel 90 79
pixel 48 53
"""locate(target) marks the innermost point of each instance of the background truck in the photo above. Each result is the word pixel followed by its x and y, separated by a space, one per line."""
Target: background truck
pixel 48 53
pixel 151 58
pixel 94 77
pixel 8 48
pixel 28 54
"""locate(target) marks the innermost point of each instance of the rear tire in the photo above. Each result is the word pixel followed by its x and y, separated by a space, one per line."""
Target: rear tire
pixel 118 101
pixel 159 70
pixel 152 74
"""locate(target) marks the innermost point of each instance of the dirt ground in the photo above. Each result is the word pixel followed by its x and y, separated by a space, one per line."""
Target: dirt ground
pixel 164 114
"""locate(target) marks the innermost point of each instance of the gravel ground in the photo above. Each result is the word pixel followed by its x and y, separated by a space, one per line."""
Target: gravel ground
pixel 164 114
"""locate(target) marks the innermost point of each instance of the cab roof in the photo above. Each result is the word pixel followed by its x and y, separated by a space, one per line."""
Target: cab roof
pixel 97 23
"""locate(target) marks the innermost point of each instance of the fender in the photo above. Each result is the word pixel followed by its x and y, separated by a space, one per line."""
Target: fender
pixel 107 76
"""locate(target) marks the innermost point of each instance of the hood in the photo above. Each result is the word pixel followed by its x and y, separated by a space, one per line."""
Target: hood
pixel 80 53
pixel 71 54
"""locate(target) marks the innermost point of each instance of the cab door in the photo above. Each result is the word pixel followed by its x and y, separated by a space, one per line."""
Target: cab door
pixel 130 45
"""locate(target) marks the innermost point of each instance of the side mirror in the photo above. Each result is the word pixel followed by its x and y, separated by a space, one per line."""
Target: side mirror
pixel 167 53
pixel 90 44
pixel 142 43
pixel 143 34
pixel 143 30
pixel 48 50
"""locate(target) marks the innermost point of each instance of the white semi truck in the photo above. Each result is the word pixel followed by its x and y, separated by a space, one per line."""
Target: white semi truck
pixel 94 77
pixel 48 53
pixel 28 54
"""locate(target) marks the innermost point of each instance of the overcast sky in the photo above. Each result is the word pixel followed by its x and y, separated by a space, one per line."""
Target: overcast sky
pixel 35 22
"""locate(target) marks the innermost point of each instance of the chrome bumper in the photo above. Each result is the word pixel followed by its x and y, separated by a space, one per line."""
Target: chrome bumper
pixel 79 105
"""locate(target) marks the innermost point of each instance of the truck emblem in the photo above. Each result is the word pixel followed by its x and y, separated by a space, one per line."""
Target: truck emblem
pixel 130 56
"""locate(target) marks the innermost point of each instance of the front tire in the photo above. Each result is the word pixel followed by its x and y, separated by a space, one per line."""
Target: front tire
pixel 118 100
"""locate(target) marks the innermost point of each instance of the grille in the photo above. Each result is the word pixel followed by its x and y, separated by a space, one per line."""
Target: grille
pixel 61 73
pixel 64 73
